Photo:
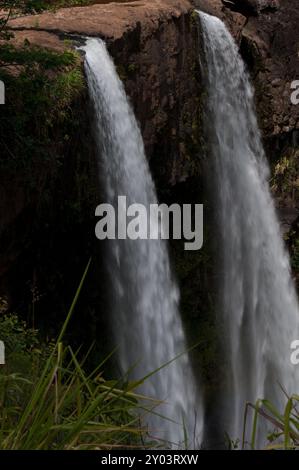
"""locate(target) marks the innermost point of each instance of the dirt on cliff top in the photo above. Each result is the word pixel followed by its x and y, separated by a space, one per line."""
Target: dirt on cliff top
pixel 96 20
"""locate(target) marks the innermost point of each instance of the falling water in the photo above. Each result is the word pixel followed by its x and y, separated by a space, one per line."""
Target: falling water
pixel 145 313
pixel 258 297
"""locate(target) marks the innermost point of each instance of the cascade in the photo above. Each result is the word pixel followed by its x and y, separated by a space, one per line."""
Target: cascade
pixel 257 299
pixel 146 320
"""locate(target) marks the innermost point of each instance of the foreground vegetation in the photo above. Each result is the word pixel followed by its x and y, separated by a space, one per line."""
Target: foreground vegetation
pixel 284 428
pixel 48 400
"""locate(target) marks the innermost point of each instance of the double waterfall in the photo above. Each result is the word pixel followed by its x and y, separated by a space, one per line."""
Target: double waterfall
pixel 146 320
pixel 257 299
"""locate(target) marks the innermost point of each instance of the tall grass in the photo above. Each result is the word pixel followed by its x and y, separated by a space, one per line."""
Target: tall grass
pixel 60 406
pixel 284 427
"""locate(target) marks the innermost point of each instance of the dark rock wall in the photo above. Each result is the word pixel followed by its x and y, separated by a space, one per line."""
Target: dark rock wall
pixel 162 80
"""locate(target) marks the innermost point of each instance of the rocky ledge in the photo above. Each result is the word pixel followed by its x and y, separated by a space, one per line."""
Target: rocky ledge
pixel 96 20
pixel 265 29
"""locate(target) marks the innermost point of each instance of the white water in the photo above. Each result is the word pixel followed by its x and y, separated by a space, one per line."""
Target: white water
pixel 258 297
pixel 145 312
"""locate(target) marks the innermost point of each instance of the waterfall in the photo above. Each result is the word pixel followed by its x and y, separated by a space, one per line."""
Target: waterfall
pixel 258 300
pixel 145 316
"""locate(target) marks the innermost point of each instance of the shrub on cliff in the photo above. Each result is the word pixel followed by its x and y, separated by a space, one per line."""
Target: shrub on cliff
pixel 41 86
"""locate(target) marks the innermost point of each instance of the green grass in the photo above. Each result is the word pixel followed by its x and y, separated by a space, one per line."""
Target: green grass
pixel 55 404
pixel 284 427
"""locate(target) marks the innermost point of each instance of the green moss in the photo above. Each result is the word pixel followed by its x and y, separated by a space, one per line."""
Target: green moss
pixel 132 68
pixel 285 183
pixel 122 73
pixel 194 18
pixel 126 71
pixel 35 56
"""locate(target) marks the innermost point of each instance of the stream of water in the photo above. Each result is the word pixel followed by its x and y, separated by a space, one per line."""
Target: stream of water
pixel 144 295
pixel 258 300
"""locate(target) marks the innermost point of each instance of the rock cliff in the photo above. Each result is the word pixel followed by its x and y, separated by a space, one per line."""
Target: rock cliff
pixel 155 46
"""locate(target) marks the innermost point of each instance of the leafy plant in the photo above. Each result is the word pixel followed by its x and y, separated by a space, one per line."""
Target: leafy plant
pixel 60 405
pixel 7 7
pixel 285 427
pixel 16 335
pixel 285 182
pixel 39 96
pixel 35 56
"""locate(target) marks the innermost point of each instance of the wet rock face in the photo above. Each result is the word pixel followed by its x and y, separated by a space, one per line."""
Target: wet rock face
pixel 162 79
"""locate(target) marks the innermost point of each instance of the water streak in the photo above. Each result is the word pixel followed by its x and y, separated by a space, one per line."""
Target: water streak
pixel 258 298
pixel 145 315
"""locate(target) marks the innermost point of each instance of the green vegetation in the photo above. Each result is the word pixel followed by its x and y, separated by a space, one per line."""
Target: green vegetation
pixel 285 182
pixel 285 427
pixel 8 5
pixel 285 185
pixel 50 401
pixel 41 86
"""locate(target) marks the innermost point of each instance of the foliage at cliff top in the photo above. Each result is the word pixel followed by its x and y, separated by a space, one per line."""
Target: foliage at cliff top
pixel 40 86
